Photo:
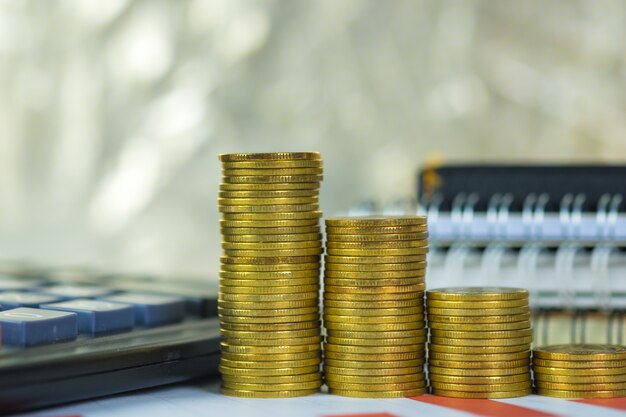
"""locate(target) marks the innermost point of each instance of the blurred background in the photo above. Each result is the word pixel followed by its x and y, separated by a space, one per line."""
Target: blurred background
pixel 112 113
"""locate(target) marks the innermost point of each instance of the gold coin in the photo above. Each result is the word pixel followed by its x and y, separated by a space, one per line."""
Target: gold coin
pixel 293 215
pixel 229 282
pixel 300 370
pixel 257 227
pixel 312 267
pixel 482 365
pixel 229 260
pixel 580 387
pixel 376 252
pixel 274 327
pixel 270 179
pixel 389 297
pixel 278 156
pixel 253 357
pixel 484 327
pixel 475 357
pixel 477 312
pixel 291 289
pixel 382 304
pixel 348 282
pixel 374 230
pixel 273 247
pixel 273 164
pixel 282 203
pixel 387 289
pixel 285 237
pixel 378 327
pixel 510 334
pixel 397 244
pixel 374 221
pixel 389 237
pixel 238 172
pixel 268 194
pixel 372 350
pixel 432 347
pixel 483 380
pixel 273 387
pixel 268 209
pixel 274 253
pixel 492 394
pixel 579 364
pixel 373 275
pixel 477 294
pixel 415 341
pixel 381 387
pixel 481 342
pixel 471 373
pixel 413 370
pixel 516 386
pixel 268 320
pixel 274 379
pixel 581 352
pixel 267 312
pixel 267 394
pixel 277 337
pixel 376 259
pixel 338 379
pixel 415 334
pixel 263 298
pixel 371 268
pixel 386 365
pixel 362 357
pixel 268 305
pixel 378 394
pixel 361 312
pixel 580 394
pixel 276 342
pixel 270 365
pixel 409 318
pixel 269 276
pixel 522 302
pixel 433 318
pixel 581 379
pixel 285 186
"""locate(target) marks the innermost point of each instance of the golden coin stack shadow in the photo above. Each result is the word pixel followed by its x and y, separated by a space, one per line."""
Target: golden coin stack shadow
pixel 269 279
pixel 480 340
pixel 580 371
pixel 374 306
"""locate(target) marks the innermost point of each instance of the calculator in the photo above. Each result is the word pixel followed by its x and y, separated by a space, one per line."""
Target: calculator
pixel 70 335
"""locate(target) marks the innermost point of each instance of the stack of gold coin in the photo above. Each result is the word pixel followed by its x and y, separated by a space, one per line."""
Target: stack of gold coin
pixel 580 371
pixel 374 306
pixel 269 278
pixel 480 340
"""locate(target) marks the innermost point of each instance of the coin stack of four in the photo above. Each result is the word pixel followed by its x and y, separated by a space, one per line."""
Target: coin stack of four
pixel 269 279
pixel 480 340
pixel 373 306
pixel 580 371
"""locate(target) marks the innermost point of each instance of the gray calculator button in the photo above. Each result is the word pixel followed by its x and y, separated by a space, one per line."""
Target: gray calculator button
pixel 153 310
pixel 14 299
pixel 98 317
pixel 22 327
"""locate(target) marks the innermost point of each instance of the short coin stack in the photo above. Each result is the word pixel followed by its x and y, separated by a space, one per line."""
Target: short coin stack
pixel 374 306
pixel 480 340
pixel 580 371
pixel 269 278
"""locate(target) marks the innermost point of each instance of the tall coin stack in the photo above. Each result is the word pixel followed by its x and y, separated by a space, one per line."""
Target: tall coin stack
pixel 374 306
pixel 480 341
pixel 580 371
pixel 269 278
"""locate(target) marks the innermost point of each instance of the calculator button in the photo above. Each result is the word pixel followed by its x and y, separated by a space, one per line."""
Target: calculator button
pixel 153 310
pixel 97 317
pixel 70 292
pixel 24 327
pixel 14 299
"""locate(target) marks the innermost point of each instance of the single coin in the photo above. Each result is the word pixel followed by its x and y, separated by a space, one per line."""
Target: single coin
pixel 333 370
pixel 483 380
pixel 477 312
pixel 276 337
pixel 269 194
pixel 274 379
pixel 477 293
pixel 301 370
pixel 253 357
pixel 293 215
pixel 267 394
pixel 273 164
pixel 305 266
pixel 262 298
pixel 273 387
pixel 270 276
pixel 413 341
pixel 285 237
pixel 387 289
pixel 378 327
pixel 254 327
pixel 361 312
pixel 510 334
pixel 389 237
pixel 380 275
pixel 282 203
pixel 415 303
pixel 389 379
pixel 374 357
pixel 376 252
pixel 475 357
pixel 374 221
pixel 479 305
pixel 350 282
pixel 581 352
pixel 579 364
pixel 276 305
pixel 313 241
pixel 409 318
pixel 492 395
pixel 266 312
pixel 516 386
pixel 284 186
pixel 277 260
pixel 270 179
pixel 483 350
pixel 580 379
pixel 381 387
pixel 268 320
pixel 506 364
pixel 269 209
pixel 372 350
pixel 483 327
pixel 409 334
pixel 278 156
pixel 265 226
pixel 274 342
pixel 580 394
pixel 615 386
pixel 433 318
pixel 386 365
pixel 237 172
pixel 471 373
pixel 291 289
pixel 420 245
pixel 275 252
pixel 271 365
pixel 481 342
pixel 375 230
pixel 374 259
pixel 378 394
pixel 371 268
pixel 387 297
pixel 229 282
